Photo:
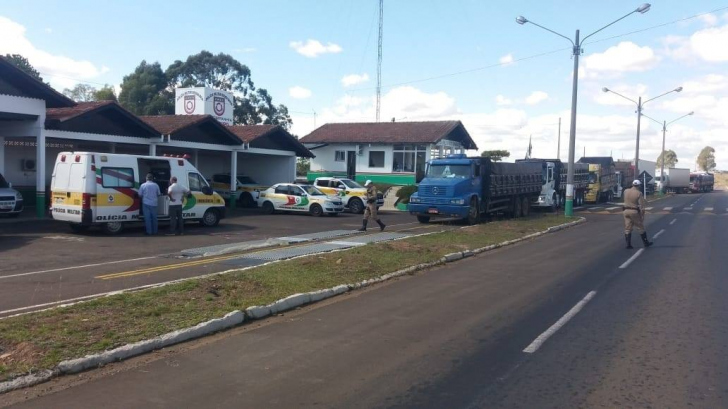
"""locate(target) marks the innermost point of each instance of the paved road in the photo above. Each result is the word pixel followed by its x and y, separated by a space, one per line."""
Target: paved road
pixel 653 335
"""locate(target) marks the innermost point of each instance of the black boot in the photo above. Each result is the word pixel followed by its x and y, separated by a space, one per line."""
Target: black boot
pixel 364 225
pixel 645 241
pixel 381 225
pixel 628 239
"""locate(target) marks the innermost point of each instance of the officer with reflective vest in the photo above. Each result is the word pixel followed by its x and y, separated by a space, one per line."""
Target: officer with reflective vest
pixel 634 214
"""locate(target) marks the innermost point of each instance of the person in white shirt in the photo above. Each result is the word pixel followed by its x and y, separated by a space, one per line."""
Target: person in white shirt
pixel 176 194
pixel 149 193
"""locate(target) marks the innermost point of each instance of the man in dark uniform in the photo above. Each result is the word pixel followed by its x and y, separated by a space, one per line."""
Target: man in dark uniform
pixel 371 210
pixel 634 214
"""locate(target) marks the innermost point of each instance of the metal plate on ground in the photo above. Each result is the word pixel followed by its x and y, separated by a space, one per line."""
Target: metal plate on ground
pixel 319 236
pixel 290 252
pixel 230 247
pixel 377 237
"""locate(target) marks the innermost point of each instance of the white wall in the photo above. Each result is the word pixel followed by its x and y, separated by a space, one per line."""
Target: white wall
pixel 13 170
pixel 267 169
pixel 324 160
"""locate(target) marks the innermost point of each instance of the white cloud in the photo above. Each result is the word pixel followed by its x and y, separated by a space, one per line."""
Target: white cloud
pixel 299 92
pixel 314 48
pixel 506 59
pixel 629 91
pixel 500 100
pixel 707 44
pixel 709 19
pixel 60 71
pixel 354 79
pixel 624 57
pixel 536 97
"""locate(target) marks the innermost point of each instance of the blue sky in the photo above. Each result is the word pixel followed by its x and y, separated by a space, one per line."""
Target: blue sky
pixel 440 62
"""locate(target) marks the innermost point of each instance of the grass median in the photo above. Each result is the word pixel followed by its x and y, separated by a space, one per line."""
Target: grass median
pixel 41 340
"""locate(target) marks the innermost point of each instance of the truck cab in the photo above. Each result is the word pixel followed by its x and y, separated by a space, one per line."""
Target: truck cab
pixel 447 189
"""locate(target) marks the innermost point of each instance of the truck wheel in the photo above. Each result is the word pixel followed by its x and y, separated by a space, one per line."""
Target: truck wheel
pixel 113 227
pixel 525 207
pixel 423 219
pixel 473 212
pixel 516 207
pixel 356 205
pixel 268 208
pixel 555 203
pixel 210 218
pixel 246 200
pixel 316 210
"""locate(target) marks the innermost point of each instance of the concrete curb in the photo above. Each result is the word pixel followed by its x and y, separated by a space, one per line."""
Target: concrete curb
pixel 236 318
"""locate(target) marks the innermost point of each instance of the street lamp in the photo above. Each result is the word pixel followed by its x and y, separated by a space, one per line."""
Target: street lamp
pixel 576 52
pixel 640 104
pixel 664 129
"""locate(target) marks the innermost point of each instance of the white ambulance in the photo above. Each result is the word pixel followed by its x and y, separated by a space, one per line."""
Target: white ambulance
pixel 101 189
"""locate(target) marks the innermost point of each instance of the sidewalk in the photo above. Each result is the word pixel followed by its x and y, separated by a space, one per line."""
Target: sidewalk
pixel 28 215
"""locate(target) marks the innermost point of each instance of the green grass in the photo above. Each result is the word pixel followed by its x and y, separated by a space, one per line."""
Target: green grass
pixel 42 340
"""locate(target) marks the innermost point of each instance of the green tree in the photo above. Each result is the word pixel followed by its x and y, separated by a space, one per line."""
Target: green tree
pixel 706 159
pixel 495 155
pixel 106 93
pixel 23 63
pixel 80 93
pixel 303 166
pixel 670 159
pixel 144 92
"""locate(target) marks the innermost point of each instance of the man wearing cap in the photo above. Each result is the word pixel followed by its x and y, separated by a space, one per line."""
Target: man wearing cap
pixel 371 210
pixel 634 214
pixel 149 193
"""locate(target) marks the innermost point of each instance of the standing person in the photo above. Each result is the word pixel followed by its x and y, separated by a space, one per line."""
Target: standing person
pixel 634 214
pixel 176 194
pixel 149 193
pixel 371 210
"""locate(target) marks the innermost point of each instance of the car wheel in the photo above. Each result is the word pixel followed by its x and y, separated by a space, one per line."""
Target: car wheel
pixel 210 218
pixel 246 200
pixel 316 210
pixel 423 219
pixel 268 208
pixel 356 205
pixel 113 227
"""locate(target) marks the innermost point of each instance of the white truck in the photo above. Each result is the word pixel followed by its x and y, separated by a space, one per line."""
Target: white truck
pixel 675 180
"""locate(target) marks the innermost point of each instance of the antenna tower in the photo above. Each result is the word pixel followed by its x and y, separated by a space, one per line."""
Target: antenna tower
pixel 379 57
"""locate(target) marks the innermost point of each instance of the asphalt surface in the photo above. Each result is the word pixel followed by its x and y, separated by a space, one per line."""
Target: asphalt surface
pixel 653 335
pixel 43 262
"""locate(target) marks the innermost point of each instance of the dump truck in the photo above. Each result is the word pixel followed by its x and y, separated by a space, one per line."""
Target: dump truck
pixel 470 187
pixel 602 178
pixel 701 182
pixel 676 180
pixel 553 182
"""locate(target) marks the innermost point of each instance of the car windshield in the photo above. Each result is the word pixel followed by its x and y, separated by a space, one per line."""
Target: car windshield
pixel 351 184
pixel 593 177
pixel 3 183
pixel 449 171
pixel 311 190
pixel 245 180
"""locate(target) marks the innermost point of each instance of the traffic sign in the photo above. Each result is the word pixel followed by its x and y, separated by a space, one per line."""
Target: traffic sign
pixel 644 177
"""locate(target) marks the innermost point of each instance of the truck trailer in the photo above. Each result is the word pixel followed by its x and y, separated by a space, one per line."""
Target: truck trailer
pixel 553 179
pixel 675 180
pixel 468 188
pixel 625 177
pixel 701 182
pixel 602 178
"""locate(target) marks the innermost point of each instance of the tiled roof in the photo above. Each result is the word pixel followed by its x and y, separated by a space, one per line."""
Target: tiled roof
pixel 248 133
pixel 64 114
pixel 169 124
pixel 386 132
pixel 261 135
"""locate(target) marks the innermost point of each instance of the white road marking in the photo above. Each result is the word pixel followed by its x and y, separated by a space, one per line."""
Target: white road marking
pixel 673 222
pixel 667 208
pixel 708 209
pixel 536 344
pixel 76 267
pixel 347 243
pixel 631 259
pixel 649 208
pixel 596 208
pixel 613 208
pixel 658 234
pixel 578 207
pixel 688 208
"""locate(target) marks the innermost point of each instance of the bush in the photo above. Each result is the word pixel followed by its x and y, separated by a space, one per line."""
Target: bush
pixel 405 192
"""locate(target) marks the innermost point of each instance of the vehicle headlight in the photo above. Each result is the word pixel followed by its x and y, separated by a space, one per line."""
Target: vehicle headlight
pixel 414 199
pixel 542 198
pixel 457 201
pixel 18 196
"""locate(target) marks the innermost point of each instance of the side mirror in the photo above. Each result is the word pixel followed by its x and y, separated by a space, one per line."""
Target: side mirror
pixel 207 190
pixel 10 185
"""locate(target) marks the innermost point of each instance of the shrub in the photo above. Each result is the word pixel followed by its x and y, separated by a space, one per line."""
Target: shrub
pixel 405 192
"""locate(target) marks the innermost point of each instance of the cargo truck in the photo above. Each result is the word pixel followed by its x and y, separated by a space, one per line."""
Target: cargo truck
pixel 553 182
pixel 675 180
pixel 468 188
pixel 602 178
pixel 701 182
pixel 625 177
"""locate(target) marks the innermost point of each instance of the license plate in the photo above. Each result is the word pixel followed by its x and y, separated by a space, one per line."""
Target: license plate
pixel 5 207
pixel 433 211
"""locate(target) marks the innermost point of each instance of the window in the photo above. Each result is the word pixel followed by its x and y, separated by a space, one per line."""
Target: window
pixel 296 191
pixel 408 158
pixel 340 156
pixel 322 183
pixel 376 159
pixel 282 190
pixel 117 177
pixel 196 182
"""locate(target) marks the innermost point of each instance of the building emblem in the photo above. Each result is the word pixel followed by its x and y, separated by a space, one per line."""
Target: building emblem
pixel 218 105
pixel 189 104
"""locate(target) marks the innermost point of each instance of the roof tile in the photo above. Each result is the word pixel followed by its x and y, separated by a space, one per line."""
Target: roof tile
pixel 383 132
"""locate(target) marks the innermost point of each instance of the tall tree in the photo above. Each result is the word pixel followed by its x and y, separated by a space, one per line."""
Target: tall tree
pixel 670 159
pixel 706 159
pixel 23 63
pixel 81 93
pixel 106 93
pixel 495 155
pixel 144 92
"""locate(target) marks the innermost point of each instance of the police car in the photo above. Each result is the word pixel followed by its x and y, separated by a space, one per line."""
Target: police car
pixel 11 201
pixel 352 194
pixel 290 197
pixel 246 192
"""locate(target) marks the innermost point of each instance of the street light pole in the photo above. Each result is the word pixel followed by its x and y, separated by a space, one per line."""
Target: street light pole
pixel 576 52
pixel 558 144
pixel 664 130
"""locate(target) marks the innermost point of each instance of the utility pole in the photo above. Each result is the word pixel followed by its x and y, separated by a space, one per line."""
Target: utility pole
pixel 558 145
pixel 314 119
pixel 379 58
